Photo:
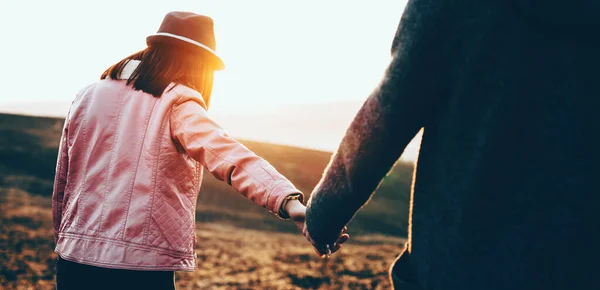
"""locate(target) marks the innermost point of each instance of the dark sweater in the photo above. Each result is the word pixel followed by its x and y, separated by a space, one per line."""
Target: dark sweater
pixel 506 193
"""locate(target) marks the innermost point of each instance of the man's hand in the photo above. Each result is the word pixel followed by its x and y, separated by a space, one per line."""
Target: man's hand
pixel 297 212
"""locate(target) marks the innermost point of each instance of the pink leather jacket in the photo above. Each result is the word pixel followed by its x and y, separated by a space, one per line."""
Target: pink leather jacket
pixel 129 171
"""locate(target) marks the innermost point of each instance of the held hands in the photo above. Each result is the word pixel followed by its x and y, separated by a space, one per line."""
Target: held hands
pixel 297 212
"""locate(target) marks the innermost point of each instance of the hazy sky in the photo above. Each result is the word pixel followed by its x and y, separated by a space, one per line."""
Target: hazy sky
pixel 277 53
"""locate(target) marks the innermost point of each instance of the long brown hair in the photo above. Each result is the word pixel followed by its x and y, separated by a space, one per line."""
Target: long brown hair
pixel 163 64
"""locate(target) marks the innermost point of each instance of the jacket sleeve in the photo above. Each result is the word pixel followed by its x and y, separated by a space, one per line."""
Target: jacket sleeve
pixel 404 101
pixel 227 159
pixel 60 180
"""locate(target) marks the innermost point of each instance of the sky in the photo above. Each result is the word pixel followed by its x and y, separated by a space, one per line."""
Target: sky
pixel 279 55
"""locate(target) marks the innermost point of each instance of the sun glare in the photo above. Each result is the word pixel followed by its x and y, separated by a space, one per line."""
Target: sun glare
pixel 278 54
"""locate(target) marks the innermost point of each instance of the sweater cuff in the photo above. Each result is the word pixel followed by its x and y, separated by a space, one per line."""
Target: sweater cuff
pixel 323 223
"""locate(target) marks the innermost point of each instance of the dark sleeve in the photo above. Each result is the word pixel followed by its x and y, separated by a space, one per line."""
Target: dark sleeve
pixel 406 99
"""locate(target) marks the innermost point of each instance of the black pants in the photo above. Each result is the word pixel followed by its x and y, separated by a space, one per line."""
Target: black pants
pixel 70 275
pixel 402 273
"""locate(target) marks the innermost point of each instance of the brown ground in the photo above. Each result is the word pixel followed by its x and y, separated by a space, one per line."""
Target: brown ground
pixel 228 257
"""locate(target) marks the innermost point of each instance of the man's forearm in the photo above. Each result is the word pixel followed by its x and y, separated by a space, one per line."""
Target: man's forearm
pixel 408 97
pixel 366 154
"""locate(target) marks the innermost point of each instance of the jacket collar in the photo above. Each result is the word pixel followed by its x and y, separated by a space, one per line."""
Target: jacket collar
pixel 129 68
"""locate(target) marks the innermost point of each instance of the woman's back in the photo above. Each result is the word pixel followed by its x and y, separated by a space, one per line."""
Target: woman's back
pixel 130 169
pixel 125 173
pixel 131 158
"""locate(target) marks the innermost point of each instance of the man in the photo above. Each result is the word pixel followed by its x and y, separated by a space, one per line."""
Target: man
pixel 505 195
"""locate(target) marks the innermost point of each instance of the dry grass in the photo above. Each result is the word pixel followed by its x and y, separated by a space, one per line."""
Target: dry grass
pixel 228 257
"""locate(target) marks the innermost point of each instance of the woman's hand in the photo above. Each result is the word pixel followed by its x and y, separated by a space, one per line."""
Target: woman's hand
pixel 297 213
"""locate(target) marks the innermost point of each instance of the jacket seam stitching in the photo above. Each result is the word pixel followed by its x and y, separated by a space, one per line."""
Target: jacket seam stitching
pixel 112 159
pixel 55 212
pixel 54 201
pixel 87 150
pixel 214 153
pixel 156 167
pixel 198 176
pixel 68 204
pixel 174 108
pixel 126 243
pixel 127 264
pixel 219 156
pixel 135 170
pixel 276 191
pixel 269 191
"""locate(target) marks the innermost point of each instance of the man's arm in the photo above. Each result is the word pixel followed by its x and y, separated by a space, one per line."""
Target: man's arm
pixel 407 98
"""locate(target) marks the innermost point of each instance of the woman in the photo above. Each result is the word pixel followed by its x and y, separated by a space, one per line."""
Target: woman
pixel 130 165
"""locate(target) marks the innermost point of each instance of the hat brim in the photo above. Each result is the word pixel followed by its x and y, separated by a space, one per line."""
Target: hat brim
pixel 214 59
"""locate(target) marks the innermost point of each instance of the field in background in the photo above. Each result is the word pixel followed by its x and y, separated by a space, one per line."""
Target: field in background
pixel 240 245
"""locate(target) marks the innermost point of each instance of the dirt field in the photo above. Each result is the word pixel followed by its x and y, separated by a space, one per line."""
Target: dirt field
pixel 228 257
